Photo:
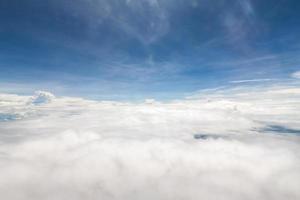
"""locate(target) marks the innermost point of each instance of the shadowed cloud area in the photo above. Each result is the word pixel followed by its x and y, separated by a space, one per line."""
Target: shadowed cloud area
pixel 281 129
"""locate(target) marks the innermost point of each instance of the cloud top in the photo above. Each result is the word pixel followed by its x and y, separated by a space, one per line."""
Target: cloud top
pixel 42 97
pixel 233 144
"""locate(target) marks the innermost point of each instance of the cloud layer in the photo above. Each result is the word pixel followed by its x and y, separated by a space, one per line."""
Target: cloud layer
pixel 71 148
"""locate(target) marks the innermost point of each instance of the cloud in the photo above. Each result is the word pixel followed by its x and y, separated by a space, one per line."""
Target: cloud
pixel 145 20
pixel 72 148
pixel 252 80
pixel 241 24
pixel 296 74
pixel 41 97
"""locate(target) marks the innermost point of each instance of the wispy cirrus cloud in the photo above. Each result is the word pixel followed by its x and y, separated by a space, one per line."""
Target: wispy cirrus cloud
pixel 252 80
pixel 146 20
pixel 107 45
pixel 241 24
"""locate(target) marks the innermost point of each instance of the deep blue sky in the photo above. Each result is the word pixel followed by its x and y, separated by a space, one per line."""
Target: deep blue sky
pixel 133 49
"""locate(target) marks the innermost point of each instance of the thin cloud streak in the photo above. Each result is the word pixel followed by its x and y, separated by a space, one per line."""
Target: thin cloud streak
pixel 252 80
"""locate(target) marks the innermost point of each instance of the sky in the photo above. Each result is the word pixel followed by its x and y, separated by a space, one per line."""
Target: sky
pixel 137 49
pixel 148 99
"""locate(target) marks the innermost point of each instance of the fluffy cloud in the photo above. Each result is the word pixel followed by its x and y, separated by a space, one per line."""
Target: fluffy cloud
pixel 41 97
pixel 71 148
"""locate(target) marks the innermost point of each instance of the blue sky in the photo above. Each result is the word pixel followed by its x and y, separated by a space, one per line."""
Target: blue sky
pixel 136 49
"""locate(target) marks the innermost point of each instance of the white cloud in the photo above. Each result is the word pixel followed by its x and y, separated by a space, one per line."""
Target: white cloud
pixel 252 80
pixel 71 148
pixel 296 74
pixel 41 97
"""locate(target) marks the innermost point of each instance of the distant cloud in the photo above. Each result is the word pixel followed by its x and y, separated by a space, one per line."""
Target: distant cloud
pixel 42 97
pixel 296 74
pixel 252 80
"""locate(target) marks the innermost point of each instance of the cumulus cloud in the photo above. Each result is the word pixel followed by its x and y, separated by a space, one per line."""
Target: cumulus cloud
pixel 219 145
pixel 41 97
